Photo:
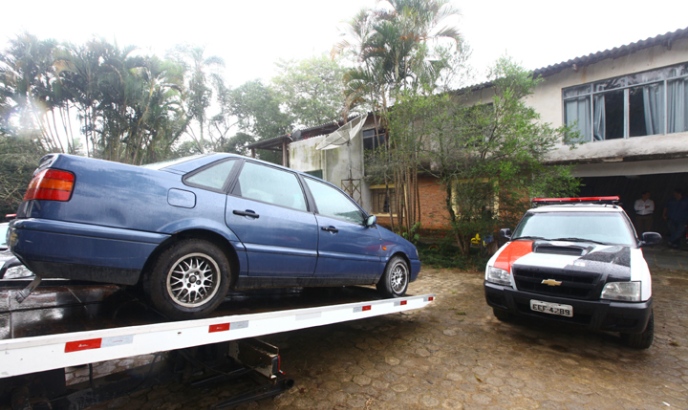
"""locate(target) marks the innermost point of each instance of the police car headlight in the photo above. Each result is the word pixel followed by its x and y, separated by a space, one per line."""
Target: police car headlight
pixel 498 276
pixel 624 291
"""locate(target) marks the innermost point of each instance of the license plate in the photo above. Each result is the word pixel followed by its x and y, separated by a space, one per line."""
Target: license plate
pixel 551 308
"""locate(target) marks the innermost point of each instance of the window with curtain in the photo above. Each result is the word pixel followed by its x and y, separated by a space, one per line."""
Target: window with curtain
pixel 636 105
pixel 677 105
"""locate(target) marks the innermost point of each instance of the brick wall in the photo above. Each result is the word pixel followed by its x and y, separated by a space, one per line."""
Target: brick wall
pixel 434 216
pixel 433 204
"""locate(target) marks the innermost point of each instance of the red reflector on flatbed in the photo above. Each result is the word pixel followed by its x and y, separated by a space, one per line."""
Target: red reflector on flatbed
pixel 51 185
pixel 83 345
pixel 222 327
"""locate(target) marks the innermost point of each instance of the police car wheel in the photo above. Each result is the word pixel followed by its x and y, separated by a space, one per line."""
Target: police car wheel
pixel 641 340
pixel 501 314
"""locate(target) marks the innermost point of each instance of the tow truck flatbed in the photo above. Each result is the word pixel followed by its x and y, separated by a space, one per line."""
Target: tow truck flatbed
pixel 65 324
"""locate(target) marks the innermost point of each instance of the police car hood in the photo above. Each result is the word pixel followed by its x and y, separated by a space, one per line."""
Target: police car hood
pixel 621 262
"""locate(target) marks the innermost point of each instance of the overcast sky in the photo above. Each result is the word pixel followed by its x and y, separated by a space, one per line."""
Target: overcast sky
pixel 252 35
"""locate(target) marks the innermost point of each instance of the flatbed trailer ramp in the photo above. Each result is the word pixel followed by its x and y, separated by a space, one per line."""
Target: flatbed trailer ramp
pixel 63 325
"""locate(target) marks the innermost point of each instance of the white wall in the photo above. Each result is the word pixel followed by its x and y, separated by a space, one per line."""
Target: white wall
pixel 547 101
pixel 337 164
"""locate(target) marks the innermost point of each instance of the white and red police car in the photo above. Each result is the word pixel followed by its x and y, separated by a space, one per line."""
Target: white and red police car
pixel 579 261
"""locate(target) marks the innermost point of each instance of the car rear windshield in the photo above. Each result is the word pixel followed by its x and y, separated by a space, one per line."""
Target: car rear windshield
pixel 172 162
pixel 602 227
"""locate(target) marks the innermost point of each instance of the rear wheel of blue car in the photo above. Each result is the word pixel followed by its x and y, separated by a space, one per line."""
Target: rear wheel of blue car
pixel 395 280
pixel 189 280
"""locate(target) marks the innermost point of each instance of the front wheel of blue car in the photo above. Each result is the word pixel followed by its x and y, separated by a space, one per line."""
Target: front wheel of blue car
pixel 395 280
pixel 189 280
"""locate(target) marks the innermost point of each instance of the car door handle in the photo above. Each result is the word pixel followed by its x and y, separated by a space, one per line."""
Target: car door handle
pixel 330 229
pixel 248 212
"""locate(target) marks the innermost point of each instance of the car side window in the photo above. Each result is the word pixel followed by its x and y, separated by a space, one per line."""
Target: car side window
pixel 333 202
pixel 213 177
pixel 271 185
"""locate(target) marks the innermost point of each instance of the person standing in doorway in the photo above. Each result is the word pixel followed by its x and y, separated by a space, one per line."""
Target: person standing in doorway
pixel 644 208
pixel 676 215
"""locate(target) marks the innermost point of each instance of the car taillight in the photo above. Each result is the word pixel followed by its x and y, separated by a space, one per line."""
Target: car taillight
pixel 51 185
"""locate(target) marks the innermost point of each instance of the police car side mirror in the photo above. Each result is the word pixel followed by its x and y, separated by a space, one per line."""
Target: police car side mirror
pixel 650 238
pixel 505 233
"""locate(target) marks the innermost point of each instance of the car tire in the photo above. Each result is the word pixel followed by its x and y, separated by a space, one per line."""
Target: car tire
pixel 394 282
pixel 641 340
pixel 189 280
pixel 501 314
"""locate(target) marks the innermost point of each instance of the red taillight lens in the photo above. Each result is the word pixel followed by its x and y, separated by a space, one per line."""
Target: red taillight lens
pixel 51 185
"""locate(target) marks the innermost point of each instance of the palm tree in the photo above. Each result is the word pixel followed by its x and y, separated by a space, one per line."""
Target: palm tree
pixel 201 81
pixel 79 69
pixel 398 46
pixel 398 50
pixel 28 76
pixel 160 119
pixel 130 106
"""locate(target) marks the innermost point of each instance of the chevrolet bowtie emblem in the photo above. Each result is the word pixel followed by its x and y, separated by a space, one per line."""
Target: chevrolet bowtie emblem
pixel 551 282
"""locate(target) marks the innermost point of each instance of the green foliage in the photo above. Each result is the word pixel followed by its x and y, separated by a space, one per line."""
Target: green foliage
pixel 18 159
pixel 403 45
pixel 311 90
pixel 257 110
pixel 398 50
pixel 444 253
pixel 412 235
pixel 238 144
pixel 487 153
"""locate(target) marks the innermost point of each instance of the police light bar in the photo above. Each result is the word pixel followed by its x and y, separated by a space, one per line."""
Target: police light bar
pixel 582 199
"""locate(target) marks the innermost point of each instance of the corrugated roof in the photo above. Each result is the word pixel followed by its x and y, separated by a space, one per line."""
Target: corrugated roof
pixel 616 52
pixel 325 128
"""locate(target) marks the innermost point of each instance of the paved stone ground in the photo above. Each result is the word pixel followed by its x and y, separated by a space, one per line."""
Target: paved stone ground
pixel 455 355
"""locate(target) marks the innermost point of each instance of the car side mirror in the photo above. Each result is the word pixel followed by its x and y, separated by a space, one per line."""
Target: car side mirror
pixel 371 221
pixel 505 233
pixel 650 238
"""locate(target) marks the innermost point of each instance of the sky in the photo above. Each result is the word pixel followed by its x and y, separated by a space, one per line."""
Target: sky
pixel 252 35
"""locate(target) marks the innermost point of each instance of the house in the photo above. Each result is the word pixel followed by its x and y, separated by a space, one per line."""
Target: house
pixel 629 105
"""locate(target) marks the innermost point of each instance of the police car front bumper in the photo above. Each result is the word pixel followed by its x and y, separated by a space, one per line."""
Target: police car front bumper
pixel 624 317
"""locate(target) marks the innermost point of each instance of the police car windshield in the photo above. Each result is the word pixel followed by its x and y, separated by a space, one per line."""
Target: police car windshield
pixel 600 227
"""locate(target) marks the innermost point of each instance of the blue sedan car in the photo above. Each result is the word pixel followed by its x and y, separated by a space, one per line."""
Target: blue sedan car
pixel 192 229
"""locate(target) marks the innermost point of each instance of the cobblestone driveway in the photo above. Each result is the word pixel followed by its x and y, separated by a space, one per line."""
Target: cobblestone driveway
pixel 456 355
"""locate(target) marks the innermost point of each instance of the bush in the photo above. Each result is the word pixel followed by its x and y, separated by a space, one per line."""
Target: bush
pixel 445 254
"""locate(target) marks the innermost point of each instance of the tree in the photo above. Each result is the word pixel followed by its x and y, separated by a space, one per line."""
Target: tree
pixel 19 157
pixel 258 114
pixel 311 90
pixel 32 101
pixel 401 50
pixel 130 106
pixel 489 156
pixel 238 144
pixel 202 80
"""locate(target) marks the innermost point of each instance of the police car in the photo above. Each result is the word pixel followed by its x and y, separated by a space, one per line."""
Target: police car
pixel 579 261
